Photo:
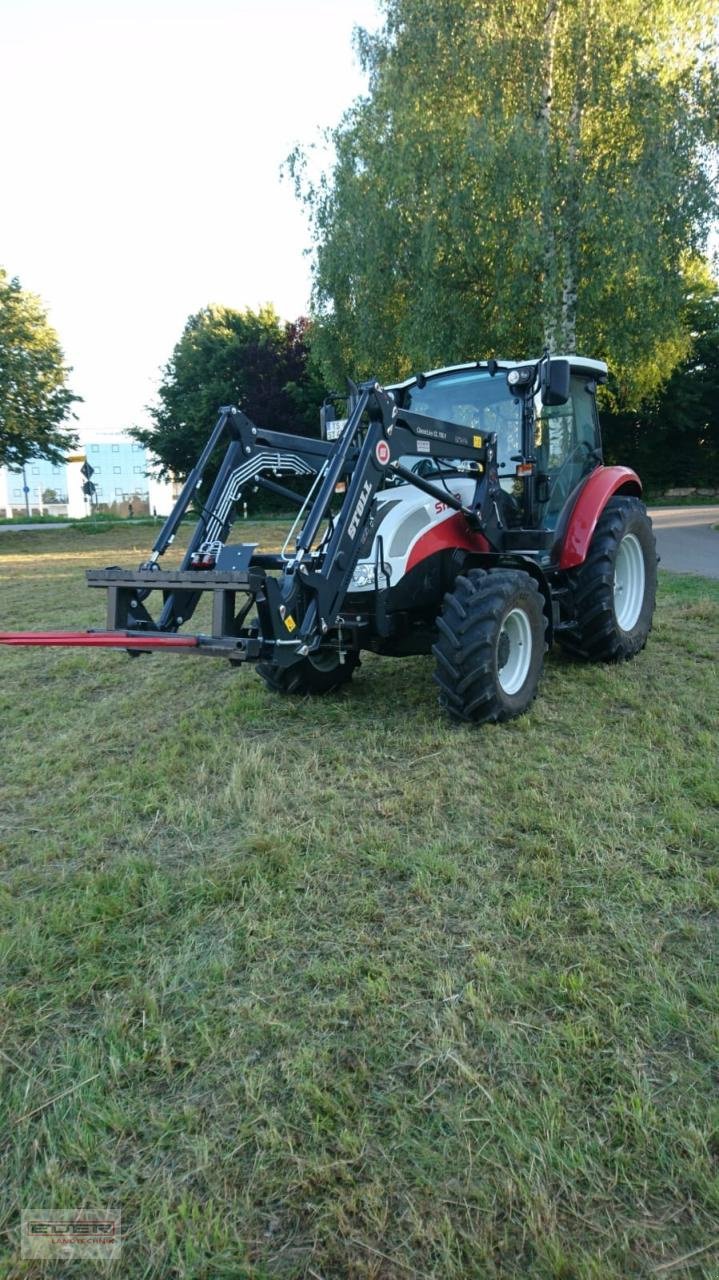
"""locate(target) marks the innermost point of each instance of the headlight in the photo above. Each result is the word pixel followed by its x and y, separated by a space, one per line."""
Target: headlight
pixel 515 377
pixel 363 576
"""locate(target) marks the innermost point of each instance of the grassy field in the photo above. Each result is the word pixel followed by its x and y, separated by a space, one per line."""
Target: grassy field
pixel 332 989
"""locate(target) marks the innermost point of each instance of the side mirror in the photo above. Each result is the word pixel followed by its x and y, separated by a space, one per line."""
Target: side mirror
pixel 327 415
pixel 555 388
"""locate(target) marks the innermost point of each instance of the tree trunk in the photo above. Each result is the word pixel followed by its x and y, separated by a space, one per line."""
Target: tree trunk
pixel 570 223
pixel 550 284
pixel 569 233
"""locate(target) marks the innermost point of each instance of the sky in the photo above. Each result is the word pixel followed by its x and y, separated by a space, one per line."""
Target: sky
pixel 142 144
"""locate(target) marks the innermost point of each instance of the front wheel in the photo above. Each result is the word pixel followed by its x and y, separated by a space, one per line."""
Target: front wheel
pixel 491 644
pixel 318 673
pixel 614 591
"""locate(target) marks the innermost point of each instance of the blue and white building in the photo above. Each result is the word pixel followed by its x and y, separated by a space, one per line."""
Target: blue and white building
pixel 121 475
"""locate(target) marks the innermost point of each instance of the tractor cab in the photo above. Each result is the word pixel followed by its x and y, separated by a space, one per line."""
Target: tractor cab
pixel 547 427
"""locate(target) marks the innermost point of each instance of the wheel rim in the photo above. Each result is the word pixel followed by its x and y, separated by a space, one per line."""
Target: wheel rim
pixel 324 659
pixel 629 580
pixel 514 651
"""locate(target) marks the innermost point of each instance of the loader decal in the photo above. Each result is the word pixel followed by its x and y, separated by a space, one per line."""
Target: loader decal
pixel 275 461
pixel 363 500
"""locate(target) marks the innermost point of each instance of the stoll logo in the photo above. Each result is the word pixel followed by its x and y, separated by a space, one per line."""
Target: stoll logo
pixel 363 499
pixel 70 1233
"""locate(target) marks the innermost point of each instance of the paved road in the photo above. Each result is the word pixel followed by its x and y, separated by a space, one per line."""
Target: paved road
pixel 686 539
pixel 26 528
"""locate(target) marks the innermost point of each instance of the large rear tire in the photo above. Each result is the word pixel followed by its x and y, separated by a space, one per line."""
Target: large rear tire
pixel 319 673
pixel 614 591
pixel 491 645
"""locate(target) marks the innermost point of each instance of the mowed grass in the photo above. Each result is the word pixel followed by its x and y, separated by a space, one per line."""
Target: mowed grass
pixel 329 988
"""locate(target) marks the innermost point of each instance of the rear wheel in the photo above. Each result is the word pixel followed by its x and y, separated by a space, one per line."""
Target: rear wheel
pixel 491 645
pixel 614 591
pixel 319 672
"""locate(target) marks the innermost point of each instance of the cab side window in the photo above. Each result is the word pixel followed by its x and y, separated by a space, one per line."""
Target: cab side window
pixel 585 413
pixel 555 436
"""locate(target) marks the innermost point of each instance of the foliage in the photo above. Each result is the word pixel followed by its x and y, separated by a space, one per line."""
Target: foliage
pixel 245 358
pixel 35 400
pixel 673 441
pixel 519 173
pixel 332 988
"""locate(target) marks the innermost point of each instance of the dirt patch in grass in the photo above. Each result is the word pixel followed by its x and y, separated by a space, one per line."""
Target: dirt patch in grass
pixel 356 993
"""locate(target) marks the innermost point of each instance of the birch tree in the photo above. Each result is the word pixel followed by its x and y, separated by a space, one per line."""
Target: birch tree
pixel 520 173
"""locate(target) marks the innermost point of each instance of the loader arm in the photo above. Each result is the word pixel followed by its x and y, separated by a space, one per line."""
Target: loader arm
pixel 298 596
pixel 249 453
pixel 392 433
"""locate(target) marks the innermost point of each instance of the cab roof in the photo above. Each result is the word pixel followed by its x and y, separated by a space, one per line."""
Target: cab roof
pixel 579 364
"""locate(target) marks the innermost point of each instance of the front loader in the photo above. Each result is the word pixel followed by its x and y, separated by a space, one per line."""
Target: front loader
pixel 465 512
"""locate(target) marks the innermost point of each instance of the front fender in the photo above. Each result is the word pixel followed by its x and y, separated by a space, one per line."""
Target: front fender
pixel 601 485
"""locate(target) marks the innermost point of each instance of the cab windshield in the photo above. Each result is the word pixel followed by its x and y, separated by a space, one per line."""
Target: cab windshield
pixel 472 398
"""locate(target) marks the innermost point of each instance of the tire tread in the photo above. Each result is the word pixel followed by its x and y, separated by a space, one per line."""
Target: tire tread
pixel 465 648
pixel 595 636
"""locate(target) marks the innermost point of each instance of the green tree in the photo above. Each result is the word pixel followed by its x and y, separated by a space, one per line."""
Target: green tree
pixel 673 440
pixel 519 173
pixel 35 401
pixel 245 358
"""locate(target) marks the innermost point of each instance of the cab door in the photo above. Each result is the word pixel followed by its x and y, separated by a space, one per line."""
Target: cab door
pixel 567 447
